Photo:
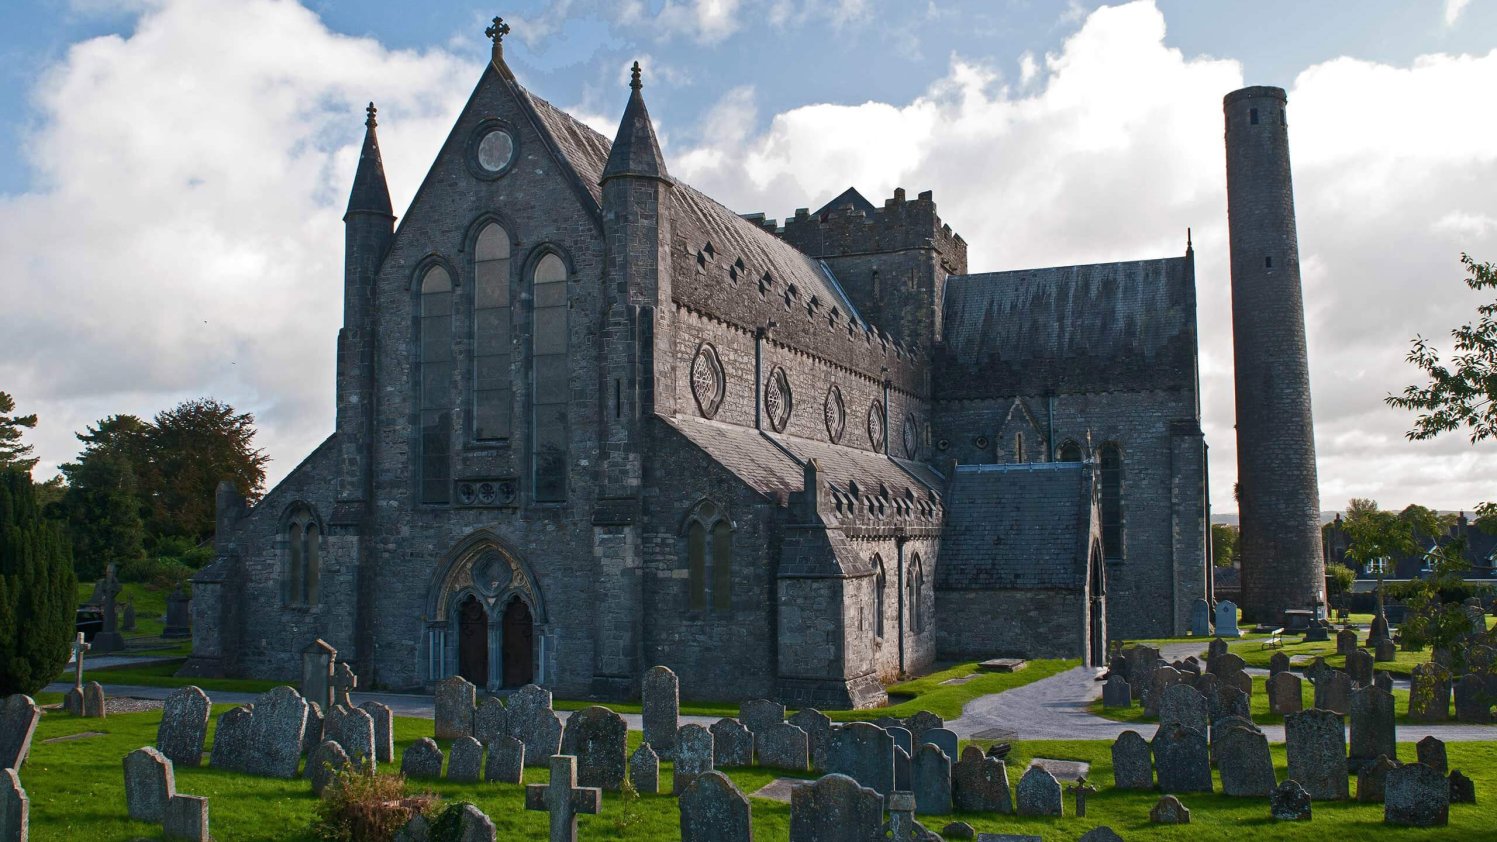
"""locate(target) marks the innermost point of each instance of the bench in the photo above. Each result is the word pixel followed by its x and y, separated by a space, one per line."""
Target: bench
pixel 1275 640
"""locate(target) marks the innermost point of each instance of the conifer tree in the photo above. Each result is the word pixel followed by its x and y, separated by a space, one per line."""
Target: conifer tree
pixel 38 591
pixel 14 454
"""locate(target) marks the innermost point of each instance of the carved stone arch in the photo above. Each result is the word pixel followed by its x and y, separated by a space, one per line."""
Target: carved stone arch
pixel 299 562
pixel 1018 430
pixel 708 510
pixel 426 263
pixel 481 221
pixel 536 253
pixel 484 565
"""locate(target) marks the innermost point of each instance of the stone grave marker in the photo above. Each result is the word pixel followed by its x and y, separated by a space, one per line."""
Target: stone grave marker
pixel 352 728
pixel 1429 693
pixel 149 784
pixel 1315 742
pixel 128 623
pixel 1385 651
pixel 818 728
pixel 490 720
pixel 836 809
pixel 1382 680
pixel 18 718
pixel 1159 681
pixel 1333 693
pixel 1277 663
pixel 1225 665
pixel 758 714
pixel 563 799
pixel 384 730
pixel 902 826
pixel 1190 665
pixel 1132 766
pixel 1372 779
pixel 1038 794
pixel 1462 788
pixel 531 721
pixel 1379 630
pixel 1372 725
pixel 943 738
pixel 1141 660
pixel 1234 701
pixel 1217 646
pixel 1183 705
pixel 958 830
pixel 783 746
pixel 324 764
pixel 901 770
pixel 15 807
pixel 660 709
pixel 1116 693
pixel 732 744
pixel 1226 619
pixel 1359 666
pixel 422 759
pixel 1431 752
pixel 1346 642
pixel 865 753
pixel 1182 759
pixel 902 737
pixel 1245 764
pixel 187 819
pixel 1100 834
pixel 312 732
pixel 1080 790
pixel 1414 795
pixel 693 756
pixel 178 614
pixel 344 681
pixel 1220 727
pixel 317 673
pixel 1317 670
pixel 1473 702
pixel 1169 810
pixel 921 721
pixel 597 737
pixel 506 761
pixel 418 829
pixel 474 825
pixel 109 638
pixel 275 734
pixel 979 784
pixel 455 698
pixel 644 770
pixel 94 704
pixel 713 809
pixel 1289 802
pixel 231 738
pixel 1200 618
pixel 930 775
pixel 1285 693
pixel 465 760
pixel 72 702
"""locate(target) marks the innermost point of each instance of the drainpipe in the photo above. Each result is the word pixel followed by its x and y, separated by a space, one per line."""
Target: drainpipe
pixel 899 540
pixel 1050 427
pixel 885 371
pixel 759 335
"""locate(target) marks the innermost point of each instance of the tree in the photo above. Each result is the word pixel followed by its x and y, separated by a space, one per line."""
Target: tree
pixel 1224 544
pixel 14 454
pixel 1376 535
pixel 189 449
pixel 38 591
pixel 1463 394
pixel 102 507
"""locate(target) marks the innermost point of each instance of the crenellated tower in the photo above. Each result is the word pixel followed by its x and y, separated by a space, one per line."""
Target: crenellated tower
pixel 1277 492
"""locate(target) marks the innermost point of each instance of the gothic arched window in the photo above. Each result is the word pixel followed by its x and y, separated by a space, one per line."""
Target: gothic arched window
pixel 1112 501
pixel 709 558
pixel 303 557
pixel 879 581
pixel 915 588
pixel 492 395
pixel 1069 451
pixel 435 399
pixel 549 380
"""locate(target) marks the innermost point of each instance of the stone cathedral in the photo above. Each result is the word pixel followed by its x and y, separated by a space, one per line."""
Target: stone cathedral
pixel 590 420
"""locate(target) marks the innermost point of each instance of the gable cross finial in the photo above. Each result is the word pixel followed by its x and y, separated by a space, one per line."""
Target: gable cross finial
pixel 371 111
pixel 634 77
pixel 497 30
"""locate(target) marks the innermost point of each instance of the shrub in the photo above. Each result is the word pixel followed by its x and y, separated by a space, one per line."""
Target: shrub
pixel 160 573
pixel 365 805
pixel 38 591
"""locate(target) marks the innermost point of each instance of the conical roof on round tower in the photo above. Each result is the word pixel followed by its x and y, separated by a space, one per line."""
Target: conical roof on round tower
pixel 370 193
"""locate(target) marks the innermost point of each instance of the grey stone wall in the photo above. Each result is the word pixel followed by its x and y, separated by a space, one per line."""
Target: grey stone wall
pixel 1024 624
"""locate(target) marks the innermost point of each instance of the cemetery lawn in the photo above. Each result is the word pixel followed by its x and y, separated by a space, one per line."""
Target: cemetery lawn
pixel 1258 704
pixel 77 792
pixel 1301 654
pixel 150 611
pixel 948 700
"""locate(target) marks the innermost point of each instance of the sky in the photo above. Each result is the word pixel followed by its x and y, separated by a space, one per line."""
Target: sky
pixel 173 173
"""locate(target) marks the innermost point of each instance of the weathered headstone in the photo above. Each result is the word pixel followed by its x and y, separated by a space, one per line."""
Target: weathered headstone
pixel 532 721
pixel 1385 651
pixel 693 756
pixel 109 638
pixel 1333 693
pixel 18 718
pixel 1431 752
pixel 455 697
pixel 1289 802
pixel 563 799
pixel 72 702
pixel 979 784
pixel 149 784
pixel 902 826
pixel 1190 665
pixel 94 704
pixel 836 809
pixel 1473 699
pixel 732 744
pixel 660 709
pixel 1038 794
pixel 1132 767
pixel 1182 759
pixel 1372 779
pixel 1169 810
pixel 422 759
pixel 1346 642
pixel 128 623
pixel 758 714
pixel 418 829
pixel 1159 681
pixel 276 733
pixel 1277 663
pixel 465 760
pixel 1359 666
pixel 1225 665
pixel 1315 742
pixel 958 830
pixel 317 673
pixel 1373 731
pixel 1183 705
pixel 902 737
pixel 1234 701
pixel 1217 646
pixel 930 775
pixel 1462 788
pixel 865 753
pixel 597 737
pixel 506 761
pixel 1429 693
pixel 1383 680
pixel 644 770
pixel 901 770
pixel 187 819
pixel 324 764
pixel 384 730
pixel 713 809
pixel 1116 693
pixel 344 681
pixel 1285 693
pixel 231 738
pixel 1244 762
pixel 921 721
pixel 1081 790
pixel 783 746
pixel 490 720
pixel 15 807
pixel 1100 834
pixel 1200 617
pixel 474 825
pixel 1318 670
pixel 943 738
pixel 1378 631
pixel 352 728
pixel 1142 659
pixel 312 731
pixel 1226 619
pixel 1414 795
pixel 178 614
pixel 818 728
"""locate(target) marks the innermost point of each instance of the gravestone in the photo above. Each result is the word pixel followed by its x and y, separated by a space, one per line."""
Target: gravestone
pixel 1333 693
pixel 693 756
pixel 921 721
pixel 783 746
pixel 1159 681
pixel 563 799
pixel 1473 702
pixel 490 720
pixel 94 704
pixel 128 623
pixel 979 784
pixel 1183 705
pixel 1289 802
pixel 1038 794
pixel 149 785
pixel 1379 630
pixel 943 738
pixel 1431 752
pixel 178 614
pixel 1225 665
pixel 1081 789
pixel 312 732
pixel 109 638
pixel 930 776
pixel 18 718
pixel 187 819
pixel 1318 632
pixel 324 764
pixel 958 830
pixel 902 737
pixel 1200 618
pixel 1372 725
pixel 1220 727
pixel 506 761
pixel 384 730
pixel 836 809
pixel 1414 795
pixel 1462 788
pixel 418 829
pixel 1235 700
pixel 1346 642
pixel 902 826
pixel 231 738
pixel 1100 834
pixel 317 673
pixel 1277 663
pixel 1132 766
pixel 597 737
pixel 1429 693
pixel 531 721
pixel 901 770
pixel 454 707
pixel 275 734
pixel 713 809
pixel 1217 646
pixel 732 744
pixel 1285 693
pixel 660 709
pixel 473 825
pixel 344 681
pixel 818 728
pixel 1318 670
pixel 865 753
pixel 352 728
pixel 1226 619
pixel 644 770
pixel 1190 665
pixel 1315 743
pixel 1182 759
pixel 465 760
pixel 15 807
pixel 1169 810
pixel 1244 762
pixel 422 759
pixel 1372 779
pixel 1116 693
pixel 1385 651
pixel 72 702
pixel 1383 680
pixel 758 714
pixel 1359 667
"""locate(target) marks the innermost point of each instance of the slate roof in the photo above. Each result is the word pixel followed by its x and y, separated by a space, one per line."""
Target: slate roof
pixel 1128 325
pixel 1016 526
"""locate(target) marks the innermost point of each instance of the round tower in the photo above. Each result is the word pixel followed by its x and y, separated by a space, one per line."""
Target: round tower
pixel 1277 493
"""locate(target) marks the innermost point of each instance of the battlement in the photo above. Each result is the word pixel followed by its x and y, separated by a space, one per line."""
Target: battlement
pixel 850 225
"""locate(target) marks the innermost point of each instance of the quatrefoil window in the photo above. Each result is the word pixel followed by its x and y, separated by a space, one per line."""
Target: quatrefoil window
pixel 835 414
pixel 707 380
pixel 777 399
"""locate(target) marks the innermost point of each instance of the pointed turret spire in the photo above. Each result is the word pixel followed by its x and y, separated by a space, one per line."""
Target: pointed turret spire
pixel 370 194
pixel 635 151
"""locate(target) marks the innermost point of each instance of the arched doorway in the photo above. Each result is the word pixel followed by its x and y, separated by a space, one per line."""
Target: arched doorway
pixel 1097 615
pixel 519 639
pixel 473 641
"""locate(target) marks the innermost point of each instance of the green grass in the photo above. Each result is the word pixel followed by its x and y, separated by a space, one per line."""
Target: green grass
pixel 150 609
pixel 1257 705
pixel 948 700
pixel 1301 654
pixel 164 674
pixel 76 791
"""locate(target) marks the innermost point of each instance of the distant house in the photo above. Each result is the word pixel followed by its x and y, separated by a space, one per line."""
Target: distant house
pixel 1480 551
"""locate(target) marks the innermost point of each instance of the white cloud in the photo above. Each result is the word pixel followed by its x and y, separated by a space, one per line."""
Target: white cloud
pixel 1453 10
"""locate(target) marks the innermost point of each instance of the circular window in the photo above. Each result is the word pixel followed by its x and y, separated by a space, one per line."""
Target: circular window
pixel 777 400
pixel 707 381
pixel 911 436
pixel 876 426
pixel 836 414
pixel 495 150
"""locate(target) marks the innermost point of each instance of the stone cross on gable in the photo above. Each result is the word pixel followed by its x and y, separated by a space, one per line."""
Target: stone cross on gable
pixel 497 30
pixel 1081 789
pixel 563 799
pixel 344 680
pixel 79 647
